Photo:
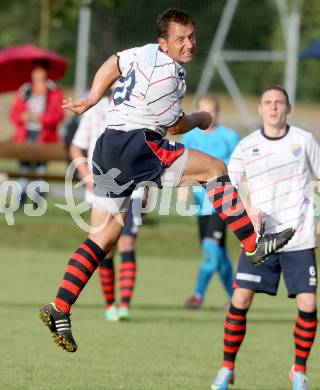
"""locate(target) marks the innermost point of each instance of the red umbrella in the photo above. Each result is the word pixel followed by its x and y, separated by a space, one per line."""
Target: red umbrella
pixel 17 62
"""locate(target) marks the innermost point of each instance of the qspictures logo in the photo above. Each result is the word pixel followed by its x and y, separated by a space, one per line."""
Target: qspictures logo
pixel 163 201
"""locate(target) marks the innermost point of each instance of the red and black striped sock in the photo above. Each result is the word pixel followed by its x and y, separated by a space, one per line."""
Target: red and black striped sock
pixel 127 277
pixel 234 332
pixel 106 273
pixel 225 199
pixel 82 264
pixel 304 334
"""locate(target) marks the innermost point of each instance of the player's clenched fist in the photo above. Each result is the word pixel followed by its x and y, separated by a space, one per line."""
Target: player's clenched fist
pixel 205 120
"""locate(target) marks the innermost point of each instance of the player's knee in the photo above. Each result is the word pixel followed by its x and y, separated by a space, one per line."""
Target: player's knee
pixel 209 265
pixel 242 298
pixel 126 243
pixel 222 168
pixel 307 303
pixel 106 243
pixel 217 168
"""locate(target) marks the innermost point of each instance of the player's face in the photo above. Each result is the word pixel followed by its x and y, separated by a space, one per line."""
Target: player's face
pixel 274 109
pixel 181 42
pixel 211 108
pixel 39 74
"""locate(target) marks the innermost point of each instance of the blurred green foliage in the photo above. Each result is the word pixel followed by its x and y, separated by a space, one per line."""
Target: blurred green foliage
pixel 120 24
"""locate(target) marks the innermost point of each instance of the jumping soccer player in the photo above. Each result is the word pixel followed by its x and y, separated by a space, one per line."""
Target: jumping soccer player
pixel 132 151
pixel 278 162
pixel 90 128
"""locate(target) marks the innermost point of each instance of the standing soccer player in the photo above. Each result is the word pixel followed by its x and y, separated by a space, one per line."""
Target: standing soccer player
pixel 132 151
pixel 218 141
pixel 278 162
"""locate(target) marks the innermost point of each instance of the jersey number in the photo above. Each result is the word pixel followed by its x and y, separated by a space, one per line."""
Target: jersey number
pixel 123 91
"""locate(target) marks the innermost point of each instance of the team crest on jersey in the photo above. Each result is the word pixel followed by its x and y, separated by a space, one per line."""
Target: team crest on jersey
pixel 255 152
pixel 296 149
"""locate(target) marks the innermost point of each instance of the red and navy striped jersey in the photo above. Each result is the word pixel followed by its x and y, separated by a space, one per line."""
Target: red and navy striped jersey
pixel 149 92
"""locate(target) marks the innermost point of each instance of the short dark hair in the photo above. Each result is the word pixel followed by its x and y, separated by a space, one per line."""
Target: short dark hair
pixel 41 64
pixel 171 15
pixel 276 87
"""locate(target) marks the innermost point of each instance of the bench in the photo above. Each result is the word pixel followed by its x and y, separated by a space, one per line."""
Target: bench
pixel 33 152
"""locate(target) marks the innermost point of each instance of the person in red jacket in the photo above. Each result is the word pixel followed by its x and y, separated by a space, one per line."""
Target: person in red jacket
pixel 36 114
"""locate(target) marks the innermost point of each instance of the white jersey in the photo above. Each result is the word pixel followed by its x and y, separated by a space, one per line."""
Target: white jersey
pixel 91 126
pixel 279 176
pixel 149 92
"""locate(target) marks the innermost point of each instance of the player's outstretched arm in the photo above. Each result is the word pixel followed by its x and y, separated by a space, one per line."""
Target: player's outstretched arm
pixel 106 75
pixel 199 119
pixel 80 161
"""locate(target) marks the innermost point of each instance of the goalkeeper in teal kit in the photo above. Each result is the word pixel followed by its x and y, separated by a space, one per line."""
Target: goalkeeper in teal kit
pixel 219 142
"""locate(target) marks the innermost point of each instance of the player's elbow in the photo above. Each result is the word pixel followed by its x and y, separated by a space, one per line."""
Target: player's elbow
pixel 75 152
pixel 177 129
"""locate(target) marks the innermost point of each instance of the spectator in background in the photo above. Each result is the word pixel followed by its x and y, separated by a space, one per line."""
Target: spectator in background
pixel 218 141
pixel 36 114
pixel 91 126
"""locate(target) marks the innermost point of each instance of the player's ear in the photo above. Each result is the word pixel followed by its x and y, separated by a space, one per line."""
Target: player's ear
pixel 289 107
pixel 163 45
pixel 259 109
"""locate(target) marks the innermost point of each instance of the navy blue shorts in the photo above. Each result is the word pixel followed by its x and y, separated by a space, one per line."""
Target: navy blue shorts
pixel 299 270
pixel 124 159
pixel 212 226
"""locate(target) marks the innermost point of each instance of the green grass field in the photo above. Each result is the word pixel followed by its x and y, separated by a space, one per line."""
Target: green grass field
pixel 165 347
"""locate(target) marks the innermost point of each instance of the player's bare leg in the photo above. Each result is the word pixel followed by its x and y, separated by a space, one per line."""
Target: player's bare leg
pixel 205 169
pixel 106 228
pixel 304 335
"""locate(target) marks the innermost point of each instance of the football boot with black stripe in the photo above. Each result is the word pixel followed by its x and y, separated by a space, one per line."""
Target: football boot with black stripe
pixel 59 325
pixel 268 244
